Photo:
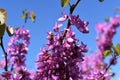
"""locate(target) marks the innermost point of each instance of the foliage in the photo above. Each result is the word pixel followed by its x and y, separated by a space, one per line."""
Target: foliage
pixel 107 53
pixel 28 14
pixel 64 3
pixel 117 48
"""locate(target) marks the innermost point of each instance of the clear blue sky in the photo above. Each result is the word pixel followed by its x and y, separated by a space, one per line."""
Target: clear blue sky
pixel 48 12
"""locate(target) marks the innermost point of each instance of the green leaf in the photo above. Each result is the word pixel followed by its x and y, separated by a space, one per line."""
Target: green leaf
pixel 64 3
pixel 107 53
pixel 3 16
pixel 101 0
pixel 107 19
pixel 25 15
pixel 117 48
pixel 2 30
pixel 10 30
pixel 22 16
pixel 32 16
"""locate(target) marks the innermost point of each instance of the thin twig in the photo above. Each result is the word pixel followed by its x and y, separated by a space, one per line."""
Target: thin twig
pixel 74 6
pixel 111 63
pixel 5 55
pixel 114 56
pixel 69 4
pixel 113 59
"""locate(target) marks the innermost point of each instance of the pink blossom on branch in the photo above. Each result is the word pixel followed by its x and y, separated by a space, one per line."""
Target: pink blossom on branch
pixel 56 27
pixel 94 68
pixel 106 32
pixel 60 61
pixel 81 25
pixel 17 49
pixel 63 18
pixel 2 64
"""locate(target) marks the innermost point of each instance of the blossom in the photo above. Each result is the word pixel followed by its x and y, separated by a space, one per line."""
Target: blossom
pixel 6 75
pixel 106 32
pixel 115 20
pixel 63 18
pixel 17 49
pixel 25 75
pixel 2 63
pixel 81 25
pixel 100 27
pixel 56 27
pixel 58 61
pixel 94 68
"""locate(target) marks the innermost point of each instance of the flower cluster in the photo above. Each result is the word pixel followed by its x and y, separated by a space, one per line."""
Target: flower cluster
pixel 105 33
pixel 17 50
pixel 76 21
pixel 60 61
pixel 94 68
pixel 81 25
pixel 2 63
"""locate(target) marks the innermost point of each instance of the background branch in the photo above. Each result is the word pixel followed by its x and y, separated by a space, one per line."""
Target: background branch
pixel 5 54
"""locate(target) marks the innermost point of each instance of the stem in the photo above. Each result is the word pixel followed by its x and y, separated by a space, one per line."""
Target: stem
pixel 113 58
pixel 5 54
pixel 72 8
pixel 69 4
pixel 112 61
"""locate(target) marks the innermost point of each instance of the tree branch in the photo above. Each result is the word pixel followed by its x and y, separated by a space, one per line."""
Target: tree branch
pixel 5 55
pixel 72 8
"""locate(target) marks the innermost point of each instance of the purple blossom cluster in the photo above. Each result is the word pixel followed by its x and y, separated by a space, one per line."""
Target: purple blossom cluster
pixel 76 21
pixel 81 25
pixel 60 61
pixel 17 50
pixel 105 33
pixel 94 68
pixel 66 61
pixel 18 47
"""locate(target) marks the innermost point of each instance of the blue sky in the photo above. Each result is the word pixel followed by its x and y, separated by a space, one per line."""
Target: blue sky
pixel 47 13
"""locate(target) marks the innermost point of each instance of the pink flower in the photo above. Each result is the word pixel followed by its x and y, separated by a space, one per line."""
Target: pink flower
pixel 2 63
pixel 81 25
pixel 56 27
pixel 115 20
pixel 94 68
pixel 63 18
pixel 100 27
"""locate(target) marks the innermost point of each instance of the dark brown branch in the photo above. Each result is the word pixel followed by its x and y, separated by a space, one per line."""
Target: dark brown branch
pixel 5 55
pixel 111 63
pixel 72 8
